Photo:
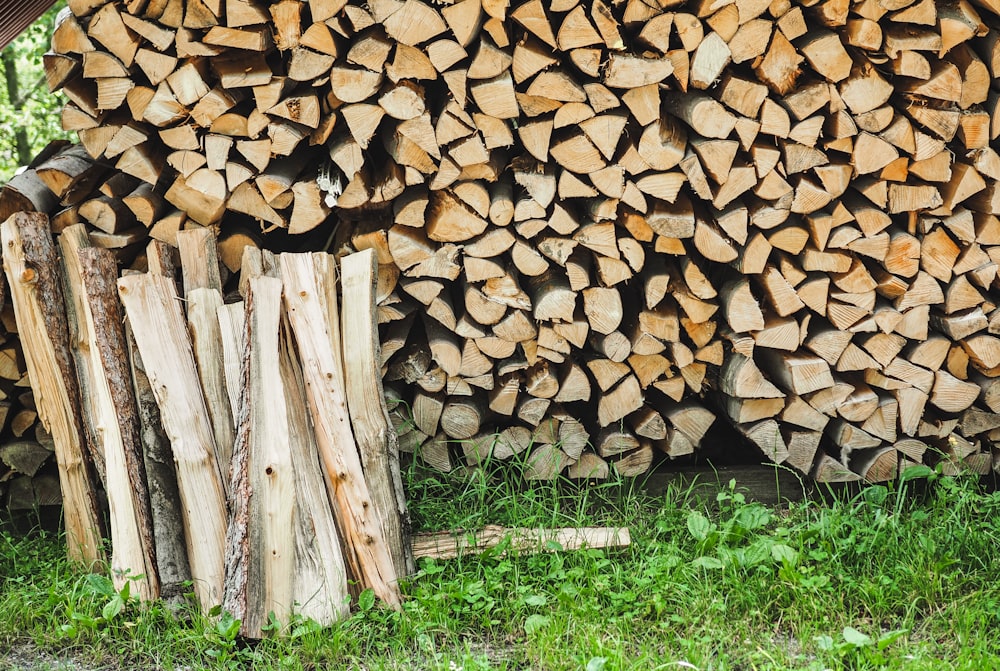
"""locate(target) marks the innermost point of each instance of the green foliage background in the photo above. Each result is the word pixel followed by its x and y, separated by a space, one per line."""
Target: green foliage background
pixel 34 109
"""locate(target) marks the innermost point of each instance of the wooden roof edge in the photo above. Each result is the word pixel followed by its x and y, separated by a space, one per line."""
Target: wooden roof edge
pixel 16 15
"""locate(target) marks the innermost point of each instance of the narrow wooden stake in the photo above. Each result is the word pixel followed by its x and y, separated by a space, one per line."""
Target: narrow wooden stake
pixel 320 587
pixel 133 556
pixel 33 277
pixel 206 339
pixel 261 540
pixel 306 295
pixel 450 544
pixel 373 431
pixel 161 334
pixel 161 480
pixel 231 325
pixel 71 240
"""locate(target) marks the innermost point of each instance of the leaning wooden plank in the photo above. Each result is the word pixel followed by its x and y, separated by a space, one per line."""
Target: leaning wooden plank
pixel 133 556
pixel 368 556
pixel 373 432
pixel 33 277
pixel 161 480
pixel 450 544
pixel 231 326
pixel 206 340
pixel 320 589
pixel 71 240
pixel 154 312
pixel 260 552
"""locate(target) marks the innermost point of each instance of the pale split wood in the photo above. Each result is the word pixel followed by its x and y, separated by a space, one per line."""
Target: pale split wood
pixel 203 304
pixel 71 241
pixel 231 318
pixel 154 312
pixel 320 588
pixel 265 477
pixel 377 440
pixel 115 414
pixel 305 301
pixel 199 259
pixel 32 274
pixel 161 481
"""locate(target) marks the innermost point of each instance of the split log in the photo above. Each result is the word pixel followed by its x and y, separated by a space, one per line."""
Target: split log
pixel 310 320
pixel 133 554
pixel 33 279
pixel 161 336
pixel 376 439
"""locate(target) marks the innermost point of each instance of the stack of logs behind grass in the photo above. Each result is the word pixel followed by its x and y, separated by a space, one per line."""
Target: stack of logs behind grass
pixel 278 517
pixel 594 221
pixel 244 447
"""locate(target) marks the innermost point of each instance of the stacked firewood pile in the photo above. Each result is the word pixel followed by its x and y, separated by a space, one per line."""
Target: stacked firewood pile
pixel 601 227
pixel 223 439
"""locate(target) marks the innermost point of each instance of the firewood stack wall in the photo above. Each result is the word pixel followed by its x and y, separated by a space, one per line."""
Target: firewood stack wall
pixel 602 227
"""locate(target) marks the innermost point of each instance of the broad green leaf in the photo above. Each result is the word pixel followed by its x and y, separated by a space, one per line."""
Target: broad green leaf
pixel 856 638
pixel 890 637
pixel 100 585
pixel 916 473
pixel 366 600
pixel 707 562
pixel 534 623
pixel 698 525
pixel 112 608
pixel 536 600
pixel 784 554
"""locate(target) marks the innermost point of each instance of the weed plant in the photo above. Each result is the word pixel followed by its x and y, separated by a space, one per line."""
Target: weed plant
pixel 895 577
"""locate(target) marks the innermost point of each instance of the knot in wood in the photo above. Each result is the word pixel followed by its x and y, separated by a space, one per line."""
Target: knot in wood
pixel 29 276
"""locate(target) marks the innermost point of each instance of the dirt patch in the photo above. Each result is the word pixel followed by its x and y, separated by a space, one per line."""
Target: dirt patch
pixel 27 657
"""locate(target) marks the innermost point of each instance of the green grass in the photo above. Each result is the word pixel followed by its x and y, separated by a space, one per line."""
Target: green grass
pixel 903 577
